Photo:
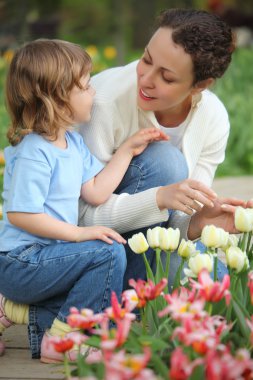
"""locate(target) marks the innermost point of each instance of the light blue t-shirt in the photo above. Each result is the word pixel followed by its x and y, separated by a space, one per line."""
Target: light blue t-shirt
pixel 42 178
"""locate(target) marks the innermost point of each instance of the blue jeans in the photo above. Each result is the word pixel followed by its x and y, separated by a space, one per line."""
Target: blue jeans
pixel 160 164
pixel 53 278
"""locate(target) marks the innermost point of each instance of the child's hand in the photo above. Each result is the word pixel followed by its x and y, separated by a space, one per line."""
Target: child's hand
pixel 138 142
pixel 99 233
pixel 187 196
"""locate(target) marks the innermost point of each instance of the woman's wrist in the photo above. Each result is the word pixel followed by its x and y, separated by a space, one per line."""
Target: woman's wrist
pixel 194 230
pixel 160 198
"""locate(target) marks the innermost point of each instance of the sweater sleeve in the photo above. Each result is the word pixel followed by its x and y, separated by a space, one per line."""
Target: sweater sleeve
pixel 206 144
pixel 209 159
pixel 124 212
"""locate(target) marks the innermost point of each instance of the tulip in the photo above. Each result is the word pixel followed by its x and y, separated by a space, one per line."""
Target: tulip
pixel 138 243
pixel 199 262
pixel 244 219
pixel 186 248
pixel 153 237
pixel 169 239
pixel 232 242
pixel 237 259
pixel 214 237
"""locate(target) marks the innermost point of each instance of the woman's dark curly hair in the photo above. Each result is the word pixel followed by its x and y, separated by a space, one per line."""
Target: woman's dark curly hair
pixel 204 36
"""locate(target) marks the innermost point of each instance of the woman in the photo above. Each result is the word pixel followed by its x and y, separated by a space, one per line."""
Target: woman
pixel 167 88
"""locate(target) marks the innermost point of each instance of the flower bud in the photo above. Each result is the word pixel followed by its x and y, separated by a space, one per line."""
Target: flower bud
pixel 214 237
pixel 237 259
pixel 153 237
pixel 186 248
pixel 244 219
pixel 199 262
pixel 232 242
pixel 138 243
pixel 169 239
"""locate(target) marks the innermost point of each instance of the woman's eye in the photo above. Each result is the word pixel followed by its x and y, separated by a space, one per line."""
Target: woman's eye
pixel 168 80
pixel 146 60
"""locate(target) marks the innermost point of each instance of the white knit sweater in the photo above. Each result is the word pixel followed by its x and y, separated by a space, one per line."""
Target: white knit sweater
pixel 115 116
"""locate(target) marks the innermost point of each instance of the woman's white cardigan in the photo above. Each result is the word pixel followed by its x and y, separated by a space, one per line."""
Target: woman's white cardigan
pixel 115 116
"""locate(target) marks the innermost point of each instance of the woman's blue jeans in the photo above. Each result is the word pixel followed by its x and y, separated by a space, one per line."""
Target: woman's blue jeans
pixel 160 164
pixel 53 278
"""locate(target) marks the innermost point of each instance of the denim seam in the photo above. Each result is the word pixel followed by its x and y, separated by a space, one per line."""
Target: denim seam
pixel 108 284
pixel 139 182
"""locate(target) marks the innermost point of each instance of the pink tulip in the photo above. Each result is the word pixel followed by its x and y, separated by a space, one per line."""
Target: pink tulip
pixel 181 367
pixel 212 291
pixel 182 305
pixel 147 290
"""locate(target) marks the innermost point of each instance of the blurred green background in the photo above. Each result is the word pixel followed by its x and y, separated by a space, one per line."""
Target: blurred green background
pixel 115 32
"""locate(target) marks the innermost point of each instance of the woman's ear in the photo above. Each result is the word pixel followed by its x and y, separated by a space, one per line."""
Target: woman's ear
pixel 203 85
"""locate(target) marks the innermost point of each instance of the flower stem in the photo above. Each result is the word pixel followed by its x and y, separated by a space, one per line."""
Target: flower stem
pixel 66 367
pixel 215 267
pixel 143 319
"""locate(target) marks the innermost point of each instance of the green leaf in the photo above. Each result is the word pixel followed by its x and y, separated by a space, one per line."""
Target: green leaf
pixel 241 319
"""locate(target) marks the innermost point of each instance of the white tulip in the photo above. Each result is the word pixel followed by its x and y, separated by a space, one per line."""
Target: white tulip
pixel 214 237
pixel 186 248
pixel 200 261
pixel 244 219
pixel 232 242
pixel 237 259
pixel 153 237
pixel 169 239
pixel 138 243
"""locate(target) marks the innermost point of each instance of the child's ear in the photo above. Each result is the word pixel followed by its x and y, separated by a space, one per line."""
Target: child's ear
pixel 203 85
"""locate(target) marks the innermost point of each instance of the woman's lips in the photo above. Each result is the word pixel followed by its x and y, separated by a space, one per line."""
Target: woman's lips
pixel 145 96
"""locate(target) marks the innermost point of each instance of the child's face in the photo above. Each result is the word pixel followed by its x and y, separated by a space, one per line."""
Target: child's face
pixel 81 100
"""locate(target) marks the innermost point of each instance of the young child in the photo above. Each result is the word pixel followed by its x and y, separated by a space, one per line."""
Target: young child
pixel 47 261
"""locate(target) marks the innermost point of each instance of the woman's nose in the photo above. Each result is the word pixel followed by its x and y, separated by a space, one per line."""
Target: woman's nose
pixel 148 79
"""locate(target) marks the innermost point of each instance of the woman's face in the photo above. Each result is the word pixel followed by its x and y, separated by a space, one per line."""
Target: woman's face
pixel 165 75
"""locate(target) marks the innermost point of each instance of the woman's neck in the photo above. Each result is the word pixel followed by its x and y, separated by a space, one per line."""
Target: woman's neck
pixel 172 118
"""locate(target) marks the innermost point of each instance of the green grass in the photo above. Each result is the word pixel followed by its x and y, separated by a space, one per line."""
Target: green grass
pixel 235 89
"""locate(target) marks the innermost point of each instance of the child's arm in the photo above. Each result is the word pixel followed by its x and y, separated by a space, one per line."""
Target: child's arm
pixel 46 226
pixel 99 189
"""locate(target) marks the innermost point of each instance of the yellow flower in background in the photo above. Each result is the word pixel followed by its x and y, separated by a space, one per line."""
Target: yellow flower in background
pixel 2 161
pixel 8 55
pixel 92 50
pixel 110 52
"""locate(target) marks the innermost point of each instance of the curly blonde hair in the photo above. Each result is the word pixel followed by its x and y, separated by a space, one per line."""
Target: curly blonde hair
pixel 41 75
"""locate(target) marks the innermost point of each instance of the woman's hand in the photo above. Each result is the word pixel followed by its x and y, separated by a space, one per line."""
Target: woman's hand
pixel 99 233
pixel 138 142
pixel 186 196
pixel 221 215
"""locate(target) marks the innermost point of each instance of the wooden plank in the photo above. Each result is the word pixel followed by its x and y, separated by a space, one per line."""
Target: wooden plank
pixel 16 337
pixel 17 364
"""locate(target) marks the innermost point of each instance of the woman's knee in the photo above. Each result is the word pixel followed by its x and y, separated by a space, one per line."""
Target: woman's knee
pixel 164 163
pixel 119 257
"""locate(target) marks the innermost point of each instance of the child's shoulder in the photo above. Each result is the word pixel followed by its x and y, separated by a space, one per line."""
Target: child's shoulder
pixel 32 146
